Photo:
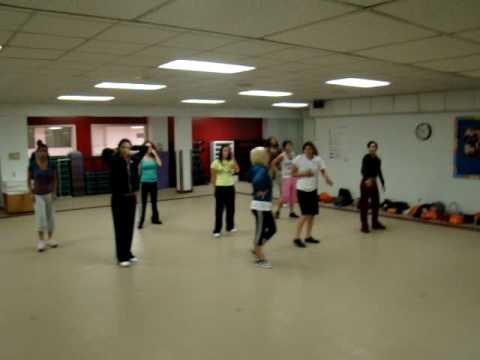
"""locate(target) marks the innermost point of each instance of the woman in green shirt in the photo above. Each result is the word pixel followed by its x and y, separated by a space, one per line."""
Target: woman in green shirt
pixel 224 185
pixel 148 178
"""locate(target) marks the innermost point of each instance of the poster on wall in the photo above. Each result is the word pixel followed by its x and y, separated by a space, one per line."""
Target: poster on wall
pixel 467 149
pixel 337 143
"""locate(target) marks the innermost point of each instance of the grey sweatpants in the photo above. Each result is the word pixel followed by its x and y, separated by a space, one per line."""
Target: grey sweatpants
pixel 44 212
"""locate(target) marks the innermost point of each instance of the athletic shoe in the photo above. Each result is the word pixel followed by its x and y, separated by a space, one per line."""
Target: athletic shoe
pixel 216 235
pixel 293 215
pixel 134 260
pixel 277 215
pixel 234 230
pixel 365 230
pixel 311 240
pixel 140 226
pixel 41 246
pixel 378 226
pixel 299 243
pixel 125 264
pixel 52 243
pixel 265 264
pixel 157 222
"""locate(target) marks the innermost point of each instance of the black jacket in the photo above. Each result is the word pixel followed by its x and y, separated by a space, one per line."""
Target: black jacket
pixel 125 177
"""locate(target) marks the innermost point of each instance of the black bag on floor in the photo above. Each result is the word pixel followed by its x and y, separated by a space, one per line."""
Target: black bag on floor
pixel 344 198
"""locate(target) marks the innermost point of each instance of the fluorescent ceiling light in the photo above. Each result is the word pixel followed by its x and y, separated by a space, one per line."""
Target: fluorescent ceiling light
pixel 205 66
pixel 55 128
pixel 203 101
pixel 361 83
pixel 291 104
pixel 129 86
pixel 136 127
pixel 85 98
pixel 265 93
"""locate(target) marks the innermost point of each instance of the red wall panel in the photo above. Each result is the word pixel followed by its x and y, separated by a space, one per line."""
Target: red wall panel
pixel 212 129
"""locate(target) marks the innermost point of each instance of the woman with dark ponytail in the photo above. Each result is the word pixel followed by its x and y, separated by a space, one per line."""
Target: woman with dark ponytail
pixel 125 184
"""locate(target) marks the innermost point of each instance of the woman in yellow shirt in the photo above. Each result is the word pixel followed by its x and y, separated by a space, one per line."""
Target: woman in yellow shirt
pixel 223 183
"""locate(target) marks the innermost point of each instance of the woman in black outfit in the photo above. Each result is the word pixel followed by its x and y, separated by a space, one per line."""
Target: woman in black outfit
pixel 370 196
pixel 125 184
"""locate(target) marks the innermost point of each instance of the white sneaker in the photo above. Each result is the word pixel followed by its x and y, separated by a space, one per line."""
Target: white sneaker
pixel 234 230
pixel 134 260
pixel 265 264
pixel 125 264
pixel 216 235
pixel 52 243
pixel 41 246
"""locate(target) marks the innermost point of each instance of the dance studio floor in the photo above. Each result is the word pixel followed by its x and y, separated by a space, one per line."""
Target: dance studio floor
pixel 411 292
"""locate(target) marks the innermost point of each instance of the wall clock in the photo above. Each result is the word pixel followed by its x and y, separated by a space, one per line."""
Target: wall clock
pixel 424 131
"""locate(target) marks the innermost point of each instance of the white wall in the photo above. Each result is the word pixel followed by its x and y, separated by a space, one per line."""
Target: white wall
pixel 13 139
pixel 415 171
pixel 284 129
pixel 183 144
pixel 158 131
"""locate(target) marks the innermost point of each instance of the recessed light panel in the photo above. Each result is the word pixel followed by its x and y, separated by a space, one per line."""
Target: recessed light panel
pixel 206 66
pixel 203 101
pixel 129 86
pixel 267 93
pixel 360 83
pixel 85 98
pixel 294 105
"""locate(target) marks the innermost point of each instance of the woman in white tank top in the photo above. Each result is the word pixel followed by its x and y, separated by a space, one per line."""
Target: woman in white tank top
pixel 289 183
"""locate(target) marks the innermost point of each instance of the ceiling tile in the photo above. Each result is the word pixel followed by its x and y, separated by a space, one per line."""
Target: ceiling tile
pixel 222 57
pixel 333 60
pixel 4 36
pixel 471 35
pixel 366 2
pixel 64 25
pixel 196 41
pixel 297 54
pixel 24 53
pixel 143 61
pixel 38 41
pixel 165 52
pixel 138 34
pixel 89 58
pixel 9 65
pixel 353 32
pixel 460 64
pixel 251 48
pixel 248 17
pixel 110 47
pixel 443 15
pixel 12 19
pixel 104 8
pixel 423 50
pixel 474 74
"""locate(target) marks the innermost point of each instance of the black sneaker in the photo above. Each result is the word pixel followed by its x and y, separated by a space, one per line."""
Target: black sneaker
pixel 378 226
pixel 293 215
pixel 311 240
pixel 277 215
pixel 365 230
pixel 299 243
pixel 157 222
pixel 140 226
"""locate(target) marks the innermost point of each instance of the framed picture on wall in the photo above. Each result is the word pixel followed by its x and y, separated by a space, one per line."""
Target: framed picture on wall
pixel 467 148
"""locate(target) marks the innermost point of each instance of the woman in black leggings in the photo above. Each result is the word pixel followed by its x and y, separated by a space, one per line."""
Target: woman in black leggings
pixel 125 183
pixel 149 178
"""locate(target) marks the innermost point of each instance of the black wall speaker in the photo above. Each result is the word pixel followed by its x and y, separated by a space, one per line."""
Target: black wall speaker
pixel 318 104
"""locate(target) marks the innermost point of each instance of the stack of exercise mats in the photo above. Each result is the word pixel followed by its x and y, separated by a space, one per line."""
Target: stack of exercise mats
pixel 64 185
pixel 97 182
pixel 97 176
pixel 77 170
pixel 199 177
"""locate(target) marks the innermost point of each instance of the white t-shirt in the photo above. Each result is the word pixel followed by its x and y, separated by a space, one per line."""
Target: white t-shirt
pixel 287 164
pixel 304 164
